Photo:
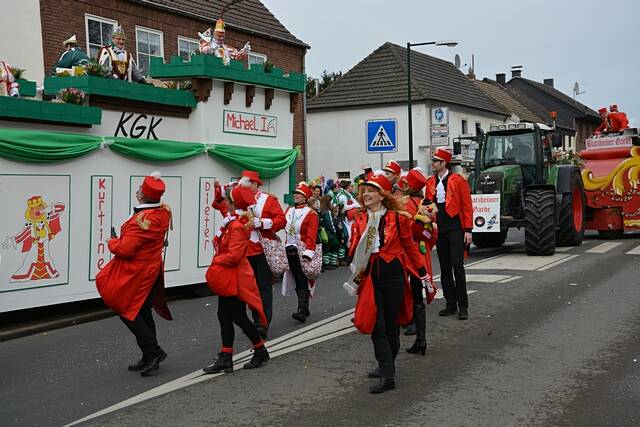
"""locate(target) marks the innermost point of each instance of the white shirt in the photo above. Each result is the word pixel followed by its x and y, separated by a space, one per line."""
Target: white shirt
pixel 441 194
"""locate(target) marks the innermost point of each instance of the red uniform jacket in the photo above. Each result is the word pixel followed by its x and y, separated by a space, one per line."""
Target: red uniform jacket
pixel 230 274
pixel 268 209
pixel 619 121
pixel 458 198
pixel 305 228
pixel 398 244
pixel 137 268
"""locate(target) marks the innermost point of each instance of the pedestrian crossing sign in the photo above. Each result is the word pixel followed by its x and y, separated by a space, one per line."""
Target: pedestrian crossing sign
pixel 382 136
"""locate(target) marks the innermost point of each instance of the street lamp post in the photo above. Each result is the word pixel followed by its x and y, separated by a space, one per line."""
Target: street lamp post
pixel 409 46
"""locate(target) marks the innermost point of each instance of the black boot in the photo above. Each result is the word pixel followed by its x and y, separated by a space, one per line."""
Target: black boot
pixel 383 385
pixel 411 329
pixel 374 373
pixel 303 306
pixel 139 365
pixel 449 310
pixel 420 320
pixel 260 357
pixel 153 363
pixel 224 363
pixel 463 313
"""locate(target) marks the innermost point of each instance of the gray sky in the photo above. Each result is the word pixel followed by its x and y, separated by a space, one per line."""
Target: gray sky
pixel 596 43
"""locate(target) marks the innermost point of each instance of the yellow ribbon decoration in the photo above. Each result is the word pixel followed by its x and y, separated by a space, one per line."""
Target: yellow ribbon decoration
pixel 629 167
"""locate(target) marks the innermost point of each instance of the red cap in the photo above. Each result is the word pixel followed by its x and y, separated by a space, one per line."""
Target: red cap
pixel 379 181
pixel 442 154
pixel 153 187
pixel 416 180
pixel 304 189
pixel 402 182
pixel 252 176
pixel 602 110
pixel 393 167
pixel 242 197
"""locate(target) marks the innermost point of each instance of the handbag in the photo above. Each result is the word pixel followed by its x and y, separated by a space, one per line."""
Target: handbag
pixel 275 254
pixel 311 268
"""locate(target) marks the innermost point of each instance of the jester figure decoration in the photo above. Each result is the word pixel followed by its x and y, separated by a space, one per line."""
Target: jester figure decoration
pixel 8 84
pixel 213 44
pixel 118 60
pixel 41 227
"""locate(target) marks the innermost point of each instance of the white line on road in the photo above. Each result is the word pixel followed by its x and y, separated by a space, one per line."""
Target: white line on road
pixel 326 329
pixel 604 247
pixel 439 294
pixel 516 262
pixel 510 279
pixel 634 251
pixel 489 278
pixel 560 261
pixel 564 248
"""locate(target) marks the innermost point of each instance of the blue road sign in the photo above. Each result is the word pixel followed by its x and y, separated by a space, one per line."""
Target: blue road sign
pixel 382 136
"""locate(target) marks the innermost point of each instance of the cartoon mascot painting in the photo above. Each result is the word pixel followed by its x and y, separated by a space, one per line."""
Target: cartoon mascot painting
pixel 41 227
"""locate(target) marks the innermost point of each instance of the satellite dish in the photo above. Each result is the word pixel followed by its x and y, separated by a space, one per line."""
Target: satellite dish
pixel 456 60
pixel 576 87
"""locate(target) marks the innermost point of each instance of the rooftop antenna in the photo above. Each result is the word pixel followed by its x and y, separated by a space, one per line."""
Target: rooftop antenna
pixel 576 90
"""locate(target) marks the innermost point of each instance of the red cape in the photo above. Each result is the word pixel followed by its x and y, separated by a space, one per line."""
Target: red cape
pixel 137 268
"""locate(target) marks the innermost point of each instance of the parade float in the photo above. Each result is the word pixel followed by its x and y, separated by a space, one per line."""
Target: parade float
pixel 69 171
pixel 611 176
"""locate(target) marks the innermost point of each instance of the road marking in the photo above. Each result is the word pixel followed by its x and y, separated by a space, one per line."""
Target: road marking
pixel 634 251
pixel 510 279
pixel 517 262
pixel 488 278
pixel 440 295
pixel 564 248
pixel 324 330
pixel 604 247
pixel 560 261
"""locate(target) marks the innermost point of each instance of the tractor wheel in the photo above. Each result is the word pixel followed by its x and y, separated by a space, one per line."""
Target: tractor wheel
pixel 489 240
pixel 571 220
pixel 539 233
pixel 611 234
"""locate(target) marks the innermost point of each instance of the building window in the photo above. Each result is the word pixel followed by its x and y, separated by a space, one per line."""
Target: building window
pixel 465 128
pixel 186 47
pixel 257 58
pixel 149 43
pixel 98 33
pixel 344 175
pixel 478 127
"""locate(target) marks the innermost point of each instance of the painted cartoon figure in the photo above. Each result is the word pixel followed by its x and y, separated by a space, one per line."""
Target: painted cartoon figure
pixel 42 225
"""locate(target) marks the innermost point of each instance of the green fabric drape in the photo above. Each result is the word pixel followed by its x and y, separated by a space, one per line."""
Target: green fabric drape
pixel 48 147
pixel 45 147
pixel 156 150
pixel 268 162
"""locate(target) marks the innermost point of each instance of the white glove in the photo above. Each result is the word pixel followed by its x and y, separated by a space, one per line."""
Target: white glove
pixel 257 222
pixel 426 283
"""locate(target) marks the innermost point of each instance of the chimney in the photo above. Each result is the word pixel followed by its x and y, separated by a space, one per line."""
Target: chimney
pixel 548 82
pixel 516 73
pixel 501 78
pixel 471 75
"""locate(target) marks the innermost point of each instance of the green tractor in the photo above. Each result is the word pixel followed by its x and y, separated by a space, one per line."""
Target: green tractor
pixel 547 199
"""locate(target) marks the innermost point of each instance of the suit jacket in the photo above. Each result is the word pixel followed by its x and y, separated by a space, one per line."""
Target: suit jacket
pixel 137 267
pixel 457 200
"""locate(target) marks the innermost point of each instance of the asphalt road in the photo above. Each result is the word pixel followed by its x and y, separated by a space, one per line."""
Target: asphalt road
pixel 550 341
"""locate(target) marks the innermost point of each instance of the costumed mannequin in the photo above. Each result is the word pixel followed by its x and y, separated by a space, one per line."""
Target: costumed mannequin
pixel 213 44
pixel 425 237
pixel 133 281
pixel 231 278
pixel 8 84
pixel 383 253
pixel 300 246
pixel 72 57
pixel 118 60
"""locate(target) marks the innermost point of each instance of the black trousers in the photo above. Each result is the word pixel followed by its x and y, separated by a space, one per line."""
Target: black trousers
pixel 389 296
pixel 416 291
pixel 144 329
pixel 232 310
pixel 295 266
pixel 450 246
pixel 263 278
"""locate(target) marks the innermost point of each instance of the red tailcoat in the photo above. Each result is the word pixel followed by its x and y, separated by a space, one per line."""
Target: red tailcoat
pixel 457 200
pixel 429 237
pixel 137 267
pixel 399 246
pixel 230 274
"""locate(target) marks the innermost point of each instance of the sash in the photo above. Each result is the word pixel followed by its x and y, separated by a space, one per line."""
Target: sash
pixel 363 252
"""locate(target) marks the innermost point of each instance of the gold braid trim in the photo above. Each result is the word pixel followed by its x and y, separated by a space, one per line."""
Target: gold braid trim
pixel 142 221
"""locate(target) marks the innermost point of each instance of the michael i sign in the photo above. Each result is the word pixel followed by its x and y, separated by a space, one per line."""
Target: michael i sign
pixel 249 123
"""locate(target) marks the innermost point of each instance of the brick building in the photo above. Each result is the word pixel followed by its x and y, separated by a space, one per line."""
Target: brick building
pixel 168 28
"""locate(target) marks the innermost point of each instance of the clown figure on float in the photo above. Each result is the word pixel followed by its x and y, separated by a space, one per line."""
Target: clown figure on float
pixel 213 44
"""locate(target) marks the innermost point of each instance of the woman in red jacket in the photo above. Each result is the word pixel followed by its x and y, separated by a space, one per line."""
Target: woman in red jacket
pixel 381 248
pixel 230 276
